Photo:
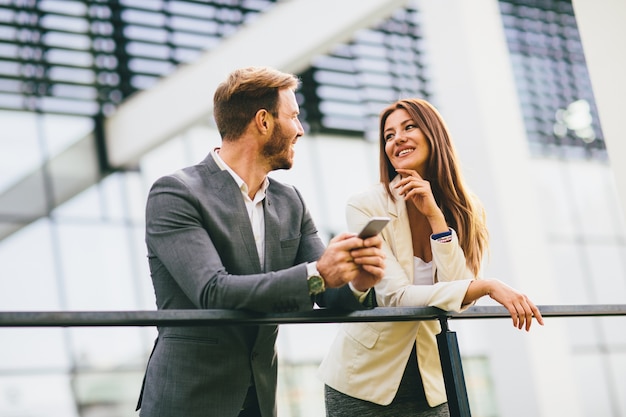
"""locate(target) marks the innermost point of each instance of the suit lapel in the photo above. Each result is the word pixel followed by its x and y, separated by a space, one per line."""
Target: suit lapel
pixel 272 230
pixel 227 194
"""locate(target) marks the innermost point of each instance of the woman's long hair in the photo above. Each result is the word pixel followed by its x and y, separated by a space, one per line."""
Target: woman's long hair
pixel 461 208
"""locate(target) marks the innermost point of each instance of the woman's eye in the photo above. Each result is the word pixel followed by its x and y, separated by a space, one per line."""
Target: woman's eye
pixel 388 138
pixel 409 127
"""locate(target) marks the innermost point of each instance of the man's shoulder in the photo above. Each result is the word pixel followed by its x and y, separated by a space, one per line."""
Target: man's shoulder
pixel 278 187
pixel 286 196
pixel 191 174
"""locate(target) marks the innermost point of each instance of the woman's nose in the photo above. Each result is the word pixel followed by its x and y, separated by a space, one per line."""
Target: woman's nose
pixel 400 137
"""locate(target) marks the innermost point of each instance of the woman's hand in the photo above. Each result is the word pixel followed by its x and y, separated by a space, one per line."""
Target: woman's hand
pixel 519 305
pixel 417 190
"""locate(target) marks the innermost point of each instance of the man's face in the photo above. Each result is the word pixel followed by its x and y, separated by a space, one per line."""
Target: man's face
pixel 279 150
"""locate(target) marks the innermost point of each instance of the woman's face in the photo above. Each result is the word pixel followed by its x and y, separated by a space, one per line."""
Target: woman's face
pixel 405 144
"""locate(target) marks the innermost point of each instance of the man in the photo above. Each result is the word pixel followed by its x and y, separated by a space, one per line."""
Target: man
pixel 222 235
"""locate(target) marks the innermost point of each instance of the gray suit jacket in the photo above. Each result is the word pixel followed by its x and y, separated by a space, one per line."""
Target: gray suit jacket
pixel 202 255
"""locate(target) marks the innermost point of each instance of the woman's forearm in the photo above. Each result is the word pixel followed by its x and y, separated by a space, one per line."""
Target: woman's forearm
pixel 478 288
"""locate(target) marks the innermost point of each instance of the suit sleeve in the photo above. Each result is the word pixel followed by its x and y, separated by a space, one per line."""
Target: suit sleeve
pixel 186 262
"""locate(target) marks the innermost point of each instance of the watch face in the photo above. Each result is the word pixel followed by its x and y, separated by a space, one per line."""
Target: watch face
pixel 316 284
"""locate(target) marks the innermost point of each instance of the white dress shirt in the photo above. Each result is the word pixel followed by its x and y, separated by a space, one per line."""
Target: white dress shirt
pixel 253 206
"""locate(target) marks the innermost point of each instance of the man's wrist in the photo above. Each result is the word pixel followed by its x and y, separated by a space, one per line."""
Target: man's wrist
pixel 314 279
pixel 356 292
pixel 360 295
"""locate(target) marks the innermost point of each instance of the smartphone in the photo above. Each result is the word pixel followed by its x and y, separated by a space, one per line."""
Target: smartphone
pixel 374 227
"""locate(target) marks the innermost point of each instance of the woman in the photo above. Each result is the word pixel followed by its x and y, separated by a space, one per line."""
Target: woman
pixel 434 245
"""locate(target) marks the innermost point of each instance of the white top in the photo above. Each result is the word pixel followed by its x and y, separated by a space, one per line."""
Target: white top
pixel 423 272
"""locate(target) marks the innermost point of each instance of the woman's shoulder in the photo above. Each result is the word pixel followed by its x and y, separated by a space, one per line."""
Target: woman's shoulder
pixel 373 192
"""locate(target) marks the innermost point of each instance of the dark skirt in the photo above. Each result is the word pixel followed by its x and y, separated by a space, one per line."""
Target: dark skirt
pixel 410 401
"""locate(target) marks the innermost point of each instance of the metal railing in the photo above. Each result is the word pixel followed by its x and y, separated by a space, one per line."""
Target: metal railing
pixel 449 353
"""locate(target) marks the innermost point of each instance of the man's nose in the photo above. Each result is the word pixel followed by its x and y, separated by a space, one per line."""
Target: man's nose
pixel 300 128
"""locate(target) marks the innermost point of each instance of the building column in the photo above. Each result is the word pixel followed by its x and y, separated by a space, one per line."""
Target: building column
pixel 474 88
pixel 603 35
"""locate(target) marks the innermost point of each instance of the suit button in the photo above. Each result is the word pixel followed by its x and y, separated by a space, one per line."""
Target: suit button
pixel 254 355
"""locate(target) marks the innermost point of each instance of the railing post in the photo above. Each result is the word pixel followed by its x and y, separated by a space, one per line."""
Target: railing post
pixel 452 367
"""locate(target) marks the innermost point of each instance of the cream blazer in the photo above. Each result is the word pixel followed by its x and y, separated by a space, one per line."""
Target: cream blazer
pixel 367 360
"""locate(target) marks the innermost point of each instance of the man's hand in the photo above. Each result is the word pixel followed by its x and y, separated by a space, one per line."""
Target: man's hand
pixel 349 258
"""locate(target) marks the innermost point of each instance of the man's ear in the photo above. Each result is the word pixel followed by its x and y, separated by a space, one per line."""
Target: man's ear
pixel 263 121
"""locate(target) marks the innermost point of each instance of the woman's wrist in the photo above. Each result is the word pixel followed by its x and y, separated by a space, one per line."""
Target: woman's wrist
pixel 438 223
pixel 478 288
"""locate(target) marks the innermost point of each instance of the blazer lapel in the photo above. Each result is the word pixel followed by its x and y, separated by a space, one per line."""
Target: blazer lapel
pixel 402 230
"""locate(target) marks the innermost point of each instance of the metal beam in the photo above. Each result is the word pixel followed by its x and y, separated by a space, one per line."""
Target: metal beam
pixel 216 317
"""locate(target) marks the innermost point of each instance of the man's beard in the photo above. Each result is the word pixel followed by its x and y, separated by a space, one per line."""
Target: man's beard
pixel 277 150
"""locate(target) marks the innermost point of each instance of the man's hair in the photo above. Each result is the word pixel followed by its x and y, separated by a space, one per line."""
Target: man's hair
pixel 246 91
